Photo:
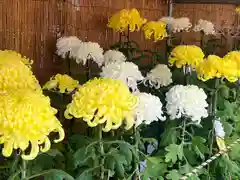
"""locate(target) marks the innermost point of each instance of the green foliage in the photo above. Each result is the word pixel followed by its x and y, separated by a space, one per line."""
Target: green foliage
pixel 155 167
pixel 198 145
pixel 169 135
pixel 174 153
pixel 179 148
pixel 174 175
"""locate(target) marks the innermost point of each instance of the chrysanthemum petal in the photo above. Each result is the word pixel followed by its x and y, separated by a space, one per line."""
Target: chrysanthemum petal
pixel 102 101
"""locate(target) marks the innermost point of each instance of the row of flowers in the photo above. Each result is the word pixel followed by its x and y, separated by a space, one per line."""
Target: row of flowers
pixel 24 119
pixel 131 20
pixel 114 65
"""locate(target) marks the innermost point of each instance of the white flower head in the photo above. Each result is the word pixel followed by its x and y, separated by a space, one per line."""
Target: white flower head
pixel 187 101
pixel 127 72
pixel 219 130
pixel 177 24
pixel 90 51
pixel 206 26
pixel 67 45
pixel 159 76
pixel 149 109
pixel 113 56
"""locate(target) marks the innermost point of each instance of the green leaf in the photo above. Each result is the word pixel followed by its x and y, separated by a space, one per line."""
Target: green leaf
pixel 42 162
pixel 199 147
pixel 227 166
pixel 86 175
pixel 228 111
pixel 15 176
pixel 119 169
pixel 54 173
pixel 169 136
pixel 116 162
pixel 110 162
pixel 82 155
pixel 174 152
pixel 228 128
pixel 235 153
pixel 126 151
pixel 224 91
pixel 155 168
pixel 173 175
pixel 191 156
pixel 185 169
pixel 193 177
pixel 78 141
pixel 54 153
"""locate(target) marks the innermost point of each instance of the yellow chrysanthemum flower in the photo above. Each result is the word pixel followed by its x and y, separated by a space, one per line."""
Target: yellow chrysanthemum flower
pixel 209 68
pixel 216 67
pixel 186 55
pixel 26 118
pixel 9 54
pixel 237 10
pixel 63 83
pixel 15 74
pixel 102 101
pixel 125 19
pixel 235 57
pixel 155 28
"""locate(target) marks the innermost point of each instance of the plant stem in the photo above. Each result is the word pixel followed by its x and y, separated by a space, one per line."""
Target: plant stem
pixel 187 74
pixel 183 131
pixel 202 40
pixel 136 159
pixel 24 170
pixel 88 69
pixel 101 152
pixel 69 66
pixel 213 110
pixel 15 162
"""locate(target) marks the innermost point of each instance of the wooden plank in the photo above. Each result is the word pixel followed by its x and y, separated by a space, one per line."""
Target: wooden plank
pixel 208 1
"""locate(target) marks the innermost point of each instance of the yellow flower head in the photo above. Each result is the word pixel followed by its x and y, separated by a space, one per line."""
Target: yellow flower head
pixel 216 67
pixel 9 54
pixel 186 55
pixel 15 74
pixel 26 118
pixel 155 28
pixel 235 57
pixel 125 19
pixel 229 70
pixel 237 10
pixel 63 83
pixel 209 68
pixel 102 101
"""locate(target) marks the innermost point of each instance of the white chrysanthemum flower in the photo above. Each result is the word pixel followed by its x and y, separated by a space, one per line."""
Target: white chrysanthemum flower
pixel 159 76
pixel 149 109
pixel 206 26
pixel 219 130
pixel 177 24
pixel 67 45
pixel 113 56
pixel 127 72
pixel 187 101
pixel 90 51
